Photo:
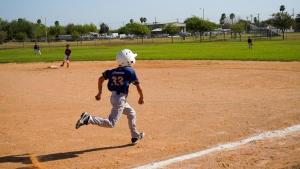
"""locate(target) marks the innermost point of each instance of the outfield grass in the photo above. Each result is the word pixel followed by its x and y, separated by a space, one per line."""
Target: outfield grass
pixel 262 51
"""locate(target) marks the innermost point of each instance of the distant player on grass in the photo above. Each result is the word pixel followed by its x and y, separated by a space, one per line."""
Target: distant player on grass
pixel 250 44
pixel 37 49
pixel 119 80
pixel 67 56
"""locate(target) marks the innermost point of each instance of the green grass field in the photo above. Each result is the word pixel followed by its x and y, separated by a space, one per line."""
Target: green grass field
pixel 287 50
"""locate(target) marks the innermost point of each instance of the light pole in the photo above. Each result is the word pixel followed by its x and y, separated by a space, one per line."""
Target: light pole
pixel 259 25
pixel 202 13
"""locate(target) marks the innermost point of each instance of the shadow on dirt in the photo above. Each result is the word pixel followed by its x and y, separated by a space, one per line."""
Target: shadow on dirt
pixel 21 158
pixel 73 154
pixel 25 158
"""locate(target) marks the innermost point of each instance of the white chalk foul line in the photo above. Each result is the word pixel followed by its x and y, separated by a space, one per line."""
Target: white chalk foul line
pixel 262 136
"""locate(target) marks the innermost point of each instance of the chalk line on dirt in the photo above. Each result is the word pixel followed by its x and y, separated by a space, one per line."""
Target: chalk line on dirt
pixel 35 161
pixel 201 153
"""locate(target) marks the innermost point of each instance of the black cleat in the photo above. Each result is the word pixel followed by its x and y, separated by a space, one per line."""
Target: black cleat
pixel 134 141
pixel 84 119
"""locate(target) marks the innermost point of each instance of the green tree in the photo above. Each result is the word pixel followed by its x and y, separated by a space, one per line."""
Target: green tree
pixel 297 23
pixel 172 30
pixel 80 29
pixel 192 24
pixel 56 30
pixel 75 36
pixel 195 24
pixel 20 25
pixel 246 24
pixel 70 28
pixel 267 22
pixel 103 28
pixel 131 21
pixel 21 36
pixel 38 31
pixel 87 28
pixel 3 36
pixel 123 30
pixel 4 26
pixel 238 28
pixel 136 29
pixel 282 21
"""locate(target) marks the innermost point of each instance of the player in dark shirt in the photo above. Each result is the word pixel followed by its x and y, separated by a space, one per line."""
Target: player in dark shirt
pixel 37 49
pixel 119 80
pixel 67 56
pixel 250 44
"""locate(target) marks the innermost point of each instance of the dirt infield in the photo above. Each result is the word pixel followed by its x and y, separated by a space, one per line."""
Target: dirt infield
pixel 189 106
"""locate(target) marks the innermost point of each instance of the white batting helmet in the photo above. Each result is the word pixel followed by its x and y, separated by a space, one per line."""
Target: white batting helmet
pixel 126 57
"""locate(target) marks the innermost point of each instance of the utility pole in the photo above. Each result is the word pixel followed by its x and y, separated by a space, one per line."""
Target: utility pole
pixel 202 13
pixel 293 13
pixel 46 40
pixel 259 25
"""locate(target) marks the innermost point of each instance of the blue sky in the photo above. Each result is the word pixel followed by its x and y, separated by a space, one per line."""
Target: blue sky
pixel 118 12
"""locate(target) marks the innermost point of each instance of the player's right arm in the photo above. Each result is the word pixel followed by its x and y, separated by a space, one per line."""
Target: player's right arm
pixel 100 83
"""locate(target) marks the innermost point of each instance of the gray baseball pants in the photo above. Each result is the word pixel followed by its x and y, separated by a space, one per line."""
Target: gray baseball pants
pixel 119 106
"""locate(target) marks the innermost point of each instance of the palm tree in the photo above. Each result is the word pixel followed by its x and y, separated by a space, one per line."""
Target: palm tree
pixel 232 16
pixel 222 22
pixel 255 21
pixel 39 21
pixel 222 19
pixel 282 8
pixel 56 23
pixel 143 20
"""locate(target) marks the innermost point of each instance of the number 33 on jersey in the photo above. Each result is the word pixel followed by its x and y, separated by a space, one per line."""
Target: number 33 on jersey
pixel 120 78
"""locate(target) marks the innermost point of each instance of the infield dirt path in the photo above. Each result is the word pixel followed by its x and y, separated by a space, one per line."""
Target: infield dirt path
pixel 189 106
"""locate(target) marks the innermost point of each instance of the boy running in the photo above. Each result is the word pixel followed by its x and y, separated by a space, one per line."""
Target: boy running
pixel 67 56
pixel 119 80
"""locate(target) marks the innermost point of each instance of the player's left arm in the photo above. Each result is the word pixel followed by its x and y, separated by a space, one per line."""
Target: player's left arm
pixel 140 91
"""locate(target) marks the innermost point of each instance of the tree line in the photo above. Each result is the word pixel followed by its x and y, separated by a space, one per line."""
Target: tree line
pixel 22 29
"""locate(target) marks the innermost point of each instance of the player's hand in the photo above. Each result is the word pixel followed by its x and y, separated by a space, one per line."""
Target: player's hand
pixel 98 96
pixel 141 100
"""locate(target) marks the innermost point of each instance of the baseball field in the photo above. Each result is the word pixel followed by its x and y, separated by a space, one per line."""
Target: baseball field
pixel 262 51
pixel 201 100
